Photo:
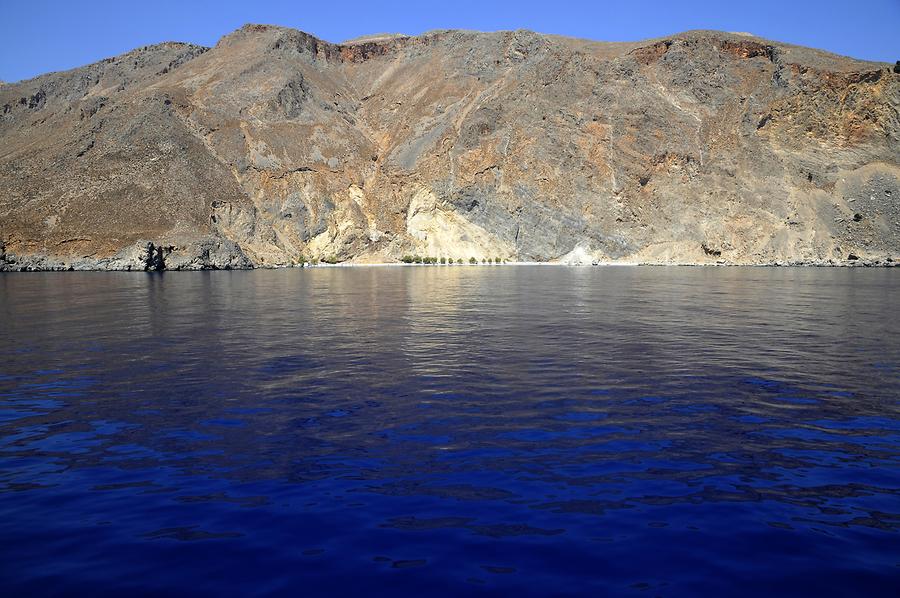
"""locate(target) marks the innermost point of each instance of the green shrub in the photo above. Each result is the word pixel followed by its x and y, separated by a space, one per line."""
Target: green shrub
pixel 496 260
pixel 417 259
pixel 407 259
pixel 472 260
pixel 443 261
pixel 459 261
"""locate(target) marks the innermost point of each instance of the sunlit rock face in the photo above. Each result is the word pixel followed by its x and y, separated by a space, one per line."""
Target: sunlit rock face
pixel 274 146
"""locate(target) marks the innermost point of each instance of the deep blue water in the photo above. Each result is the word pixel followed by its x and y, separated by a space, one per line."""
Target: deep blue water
pixel 464 430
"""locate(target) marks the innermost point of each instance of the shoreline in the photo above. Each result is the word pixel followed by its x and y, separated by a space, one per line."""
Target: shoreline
pixel 64 267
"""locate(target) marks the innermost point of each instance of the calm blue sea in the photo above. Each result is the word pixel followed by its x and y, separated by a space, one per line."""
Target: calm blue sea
pixel 446 431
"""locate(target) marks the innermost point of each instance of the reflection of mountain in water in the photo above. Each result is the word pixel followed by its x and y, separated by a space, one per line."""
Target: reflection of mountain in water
pixel 521 427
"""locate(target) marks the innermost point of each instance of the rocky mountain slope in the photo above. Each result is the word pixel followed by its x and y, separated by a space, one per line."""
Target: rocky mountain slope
pixel 274 146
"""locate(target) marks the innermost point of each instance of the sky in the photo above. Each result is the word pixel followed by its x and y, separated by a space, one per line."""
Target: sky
pixel 37 36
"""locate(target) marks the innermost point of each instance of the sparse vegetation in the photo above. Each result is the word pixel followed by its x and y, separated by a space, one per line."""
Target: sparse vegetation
pixel 418 259
pixel 331 259
pixel 459 261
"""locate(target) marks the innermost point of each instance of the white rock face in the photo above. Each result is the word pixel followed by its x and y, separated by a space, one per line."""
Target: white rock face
pixel 580 256
pixel 441 232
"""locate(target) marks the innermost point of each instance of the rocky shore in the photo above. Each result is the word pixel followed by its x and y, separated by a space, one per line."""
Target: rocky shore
pixel 147 257
pixel 206 254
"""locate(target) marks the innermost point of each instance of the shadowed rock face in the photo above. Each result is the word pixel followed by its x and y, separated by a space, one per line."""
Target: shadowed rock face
pixel 273 145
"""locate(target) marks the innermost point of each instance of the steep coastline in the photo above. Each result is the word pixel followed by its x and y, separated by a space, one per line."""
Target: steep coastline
pixel 274 148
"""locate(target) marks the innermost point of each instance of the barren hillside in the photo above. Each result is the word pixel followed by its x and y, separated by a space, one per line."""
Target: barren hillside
pixel 275 146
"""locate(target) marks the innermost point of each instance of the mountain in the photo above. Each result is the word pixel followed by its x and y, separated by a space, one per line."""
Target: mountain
pixel 275 146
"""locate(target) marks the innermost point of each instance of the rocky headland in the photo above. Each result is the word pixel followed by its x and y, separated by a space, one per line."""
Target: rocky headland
pixel 275 148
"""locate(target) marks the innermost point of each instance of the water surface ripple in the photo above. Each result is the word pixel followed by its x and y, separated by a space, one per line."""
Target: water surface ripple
pixel 477 430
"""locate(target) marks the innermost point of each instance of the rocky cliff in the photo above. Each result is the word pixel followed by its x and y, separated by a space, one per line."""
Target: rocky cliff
pixel 275 146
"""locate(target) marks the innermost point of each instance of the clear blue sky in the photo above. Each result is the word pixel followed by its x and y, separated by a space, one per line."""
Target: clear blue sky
pixel 37 36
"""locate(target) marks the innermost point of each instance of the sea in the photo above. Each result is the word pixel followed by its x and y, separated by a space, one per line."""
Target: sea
pixel 450 431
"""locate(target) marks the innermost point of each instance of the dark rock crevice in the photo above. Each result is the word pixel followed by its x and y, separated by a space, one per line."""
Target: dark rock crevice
pixel 289 101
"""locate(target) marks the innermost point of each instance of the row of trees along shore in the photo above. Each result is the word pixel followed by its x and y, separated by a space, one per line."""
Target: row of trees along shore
pixel 418 259
pixel 409 259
